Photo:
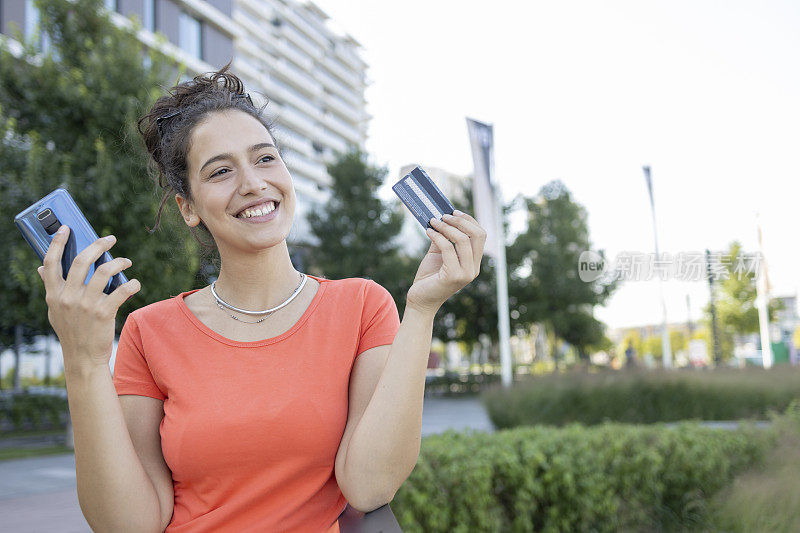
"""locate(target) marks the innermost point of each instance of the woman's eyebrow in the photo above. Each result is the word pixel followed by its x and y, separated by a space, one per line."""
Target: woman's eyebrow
pixel 254 148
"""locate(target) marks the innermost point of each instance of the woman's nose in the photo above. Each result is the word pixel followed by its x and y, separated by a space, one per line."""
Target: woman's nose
pixel 250 181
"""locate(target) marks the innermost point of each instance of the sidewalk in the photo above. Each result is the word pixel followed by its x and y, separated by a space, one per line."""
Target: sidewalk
pixel 38 495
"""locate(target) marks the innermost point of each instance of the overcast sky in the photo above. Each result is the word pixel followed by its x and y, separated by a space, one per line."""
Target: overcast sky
pixel 706 92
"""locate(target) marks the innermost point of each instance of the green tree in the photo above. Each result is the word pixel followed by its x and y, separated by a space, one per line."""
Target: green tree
pixel 356 232
pixel 472 311
pixel 735 293
pixel 68 119
pixel 543 266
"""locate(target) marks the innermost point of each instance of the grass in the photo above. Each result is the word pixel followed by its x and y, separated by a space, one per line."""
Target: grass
pixel 14 433
pixel 765 498
pixel 23 452
pixel 8 454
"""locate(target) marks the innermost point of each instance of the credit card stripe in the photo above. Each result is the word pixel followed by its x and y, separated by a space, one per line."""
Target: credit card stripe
pixel 418 209
pixel 425 182
pixel 424 198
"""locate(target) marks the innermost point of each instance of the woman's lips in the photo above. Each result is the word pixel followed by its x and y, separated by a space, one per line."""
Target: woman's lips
pixel 263 218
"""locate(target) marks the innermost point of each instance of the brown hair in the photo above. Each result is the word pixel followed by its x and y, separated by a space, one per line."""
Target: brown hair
pixel 167 128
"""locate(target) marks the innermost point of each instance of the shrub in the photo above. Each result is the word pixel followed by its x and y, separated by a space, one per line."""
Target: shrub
pixel 33 411
pixel 643 397
pixel 603 478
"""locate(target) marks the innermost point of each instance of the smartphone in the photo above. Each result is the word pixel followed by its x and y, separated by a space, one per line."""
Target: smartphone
pixel 39 222
pixel 422 197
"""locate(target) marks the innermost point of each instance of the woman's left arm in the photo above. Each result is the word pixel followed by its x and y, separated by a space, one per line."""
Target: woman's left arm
pixel 381 441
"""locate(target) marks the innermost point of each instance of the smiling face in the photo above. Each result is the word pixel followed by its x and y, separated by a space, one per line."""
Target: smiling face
pixel 234 172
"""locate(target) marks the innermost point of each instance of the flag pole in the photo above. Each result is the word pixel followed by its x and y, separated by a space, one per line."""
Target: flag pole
pixel 666 348
pixel 762 302
pixel 490 217
pixel 502 293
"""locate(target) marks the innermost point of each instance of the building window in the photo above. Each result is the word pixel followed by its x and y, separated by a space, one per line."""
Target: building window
pixel 111 5
pixel 189 35
pixel 31 18
pixel 33 25
pixel 149 15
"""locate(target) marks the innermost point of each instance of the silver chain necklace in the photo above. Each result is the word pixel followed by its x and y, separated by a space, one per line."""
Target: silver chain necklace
pixel 222 304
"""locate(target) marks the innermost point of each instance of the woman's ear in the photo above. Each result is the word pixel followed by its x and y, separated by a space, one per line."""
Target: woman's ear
pixel 187 211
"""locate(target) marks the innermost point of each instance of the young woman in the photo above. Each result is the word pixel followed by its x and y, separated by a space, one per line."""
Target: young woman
pixel 268 400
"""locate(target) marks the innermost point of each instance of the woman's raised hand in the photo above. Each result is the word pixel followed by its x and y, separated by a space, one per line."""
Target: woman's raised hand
pixel 83 315
pixel 452 262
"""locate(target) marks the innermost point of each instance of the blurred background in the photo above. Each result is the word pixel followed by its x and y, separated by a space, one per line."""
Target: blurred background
pixel 659 136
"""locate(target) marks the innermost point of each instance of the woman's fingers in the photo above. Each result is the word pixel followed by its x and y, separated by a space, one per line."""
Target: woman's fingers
pixel 52 276
pixel 120 295
pixel 85 259
pixel 104 272
pixel 445 247
pixel 477 235
pixel 455 248
pixel 461 242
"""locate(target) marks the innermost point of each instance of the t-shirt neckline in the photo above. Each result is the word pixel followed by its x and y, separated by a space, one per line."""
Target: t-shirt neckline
pixel 245 344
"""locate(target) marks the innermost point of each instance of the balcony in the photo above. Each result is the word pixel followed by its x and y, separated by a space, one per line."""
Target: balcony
pixel 256 9
pixel 291 52
pixel 255 34
pixel 350 95
pixel 313 170
pixel 301 41
pixel 349 57
pixel 296 78
pixel 338 70
pixel 344 109
pixel 331 140
pixel 347 131
pixel 297 142
pixel 295 120
pixel 318 35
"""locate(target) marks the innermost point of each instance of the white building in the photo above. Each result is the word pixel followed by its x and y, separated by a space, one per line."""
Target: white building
pixel 314 79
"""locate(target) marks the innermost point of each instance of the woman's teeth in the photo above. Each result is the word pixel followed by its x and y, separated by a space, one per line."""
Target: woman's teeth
pixel 259 211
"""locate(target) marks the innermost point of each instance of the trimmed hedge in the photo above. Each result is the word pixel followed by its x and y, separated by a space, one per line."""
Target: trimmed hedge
pixel 603 478
pixel 33 411
pixel 457 384
pixel 643 397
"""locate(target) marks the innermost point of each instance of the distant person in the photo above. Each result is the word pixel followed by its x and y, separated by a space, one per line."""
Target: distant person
pixel 268 400
pixel 630 356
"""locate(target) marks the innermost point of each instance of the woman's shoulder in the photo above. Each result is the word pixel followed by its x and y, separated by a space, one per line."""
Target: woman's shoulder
pixel 348 286
pixel 160 310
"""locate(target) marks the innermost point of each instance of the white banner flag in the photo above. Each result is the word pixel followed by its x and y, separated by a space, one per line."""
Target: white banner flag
pixel 481 138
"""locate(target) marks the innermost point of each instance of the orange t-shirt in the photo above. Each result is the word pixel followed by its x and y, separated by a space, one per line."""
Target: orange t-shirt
pixel 251 429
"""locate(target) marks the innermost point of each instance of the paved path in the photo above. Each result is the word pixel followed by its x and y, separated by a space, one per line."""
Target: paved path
pixel 38 495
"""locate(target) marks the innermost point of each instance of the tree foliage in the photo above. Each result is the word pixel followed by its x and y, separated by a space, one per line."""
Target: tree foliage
pixel 735 294
pixel 356 231
pixel 68 119
pixel 472 312
pixel 543 270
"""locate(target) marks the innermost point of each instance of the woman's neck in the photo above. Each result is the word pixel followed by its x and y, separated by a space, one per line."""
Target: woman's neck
pixel 257 281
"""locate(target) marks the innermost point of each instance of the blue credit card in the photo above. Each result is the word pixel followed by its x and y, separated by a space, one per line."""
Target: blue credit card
pixel 422 197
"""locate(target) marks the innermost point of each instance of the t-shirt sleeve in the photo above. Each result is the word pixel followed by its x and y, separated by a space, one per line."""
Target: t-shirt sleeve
pixel 380 320
pixel 132 374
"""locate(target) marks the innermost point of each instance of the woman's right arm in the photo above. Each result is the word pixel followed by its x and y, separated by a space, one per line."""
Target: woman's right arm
pixel 115 490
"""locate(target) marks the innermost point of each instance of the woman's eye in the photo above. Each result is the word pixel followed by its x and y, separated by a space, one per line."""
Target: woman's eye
pixel 219 172
pixel 267 158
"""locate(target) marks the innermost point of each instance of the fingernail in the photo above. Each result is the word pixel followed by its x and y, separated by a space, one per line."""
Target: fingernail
pixel 110 238
pixel 447 217
pixel 457 212
pixel 62 229
pixel 434 220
